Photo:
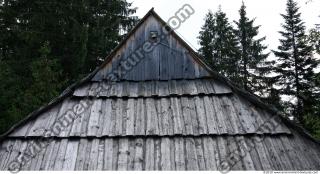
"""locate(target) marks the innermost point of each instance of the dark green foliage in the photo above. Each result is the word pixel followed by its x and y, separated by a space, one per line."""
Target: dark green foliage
pixel 314 39
pixel 253 66
pixel 311 109
pixel 219 44
pixel 47 45
pixel 205 38
pixel 295 63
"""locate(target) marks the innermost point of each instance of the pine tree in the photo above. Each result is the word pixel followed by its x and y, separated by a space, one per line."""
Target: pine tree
pixel 219 44
pixel 314 39
pixel 225 49
pixel 80 32
pixel 46 81
pixel 253 66
pixel 205 38
pixel 295 60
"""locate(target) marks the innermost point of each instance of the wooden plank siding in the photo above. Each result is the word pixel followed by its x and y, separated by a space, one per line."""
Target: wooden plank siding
pixel 202 115
pixel 174 153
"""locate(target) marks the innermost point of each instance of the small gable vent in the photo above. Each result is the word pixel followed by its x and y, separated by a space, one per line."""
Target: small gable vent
pixel 153 36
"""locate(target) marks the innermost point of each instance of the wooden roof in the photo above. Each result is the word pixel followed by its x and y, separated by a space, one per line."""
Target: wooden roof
pixel 170 112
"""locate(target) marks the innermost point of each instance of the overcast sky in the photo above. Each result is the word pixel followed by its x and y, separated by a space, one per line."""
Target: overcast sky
pixel 266 12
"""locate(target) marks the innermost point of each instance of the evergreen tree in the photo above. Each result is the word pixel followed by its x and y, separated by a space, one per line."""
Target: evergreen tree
pixel 80 33
pixel 46 80
pixel 253 66
pixel 295 60
pixel 219 44
pixel 225 49
pixel 205 38
pixel 314 39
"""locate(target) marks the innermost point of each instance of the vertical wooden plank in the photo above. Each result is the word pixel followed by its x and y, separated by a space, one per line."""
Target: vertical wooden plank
pixel 130 117
pixel 190 71
pixel 200 87
pixel 118 110
pixel 108 157
pixel 186 115
pixel 172 87
pixel 302 152
pixel 140 122
pixel 283 155
pixel 193 115
pixel 41 155
pixel 191 155
pixel 245 146
pixel 210 115
pixel 131 154
pixel 169 116
pixel 119 89
pixel 253 153
pixel 200 153
pixel 76 126
pixel 100 155
pixel 164 61
pixel 93 163
pixel 139 156
pixel 222 150
pixel 95 113
pixel 54 157
pixel 157 153
pixel 177 116
pixel 172 58
pixel 115 154
pixel 87 155
pixel 234 154
pixel 196 70
pixel 107 110
pixel 201 115
pixel 193 87
pixel 67 128
pixel 223 125
pixel 61 155
pixel 179 154
pixel 4 152
pixel 29 153
pixel 85 119
pixel 152 118
pixel 231 114
pixel 172 154
pixel 263 155
pixel 163 88
pixel 178 74
pixel 81 154
pixel 150 158
pixel 123 154
pixel 124 116
pixel 14 152
pixel 248 122
pixel 71 155
pixel 209 153
pixel 165 154
pixel 164 115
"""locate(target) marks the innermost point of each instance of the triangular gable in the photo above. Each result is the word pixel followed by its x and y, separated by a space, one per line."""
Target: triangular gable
pixel 139 57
